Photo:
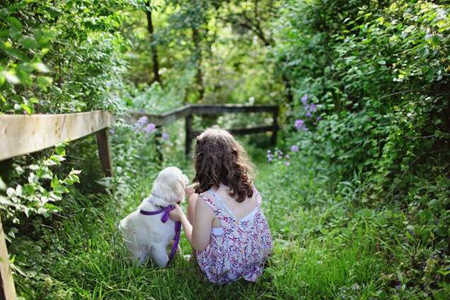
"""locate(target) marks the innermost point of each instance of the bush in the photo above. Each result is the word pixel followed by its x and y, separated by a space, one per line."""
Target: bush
pixel 371 90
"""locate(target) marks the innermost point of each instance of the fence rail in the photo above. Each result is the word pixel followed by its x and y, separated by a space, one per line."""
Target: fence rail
pixel 188 111
pixel 23 134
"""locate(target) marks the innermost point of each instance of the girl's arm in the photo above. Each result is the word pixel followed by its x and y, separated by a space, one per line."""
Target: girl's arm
pixel 202 224
pixel 187 227
pixel 199 232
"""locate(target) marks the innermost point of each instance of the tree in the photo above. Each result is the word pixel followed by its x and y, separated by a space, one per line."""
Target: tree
pixel 148 13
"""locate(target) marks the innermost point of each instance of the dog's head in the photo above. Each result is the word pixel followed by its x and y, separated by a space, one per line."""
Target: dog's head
pixel 169 186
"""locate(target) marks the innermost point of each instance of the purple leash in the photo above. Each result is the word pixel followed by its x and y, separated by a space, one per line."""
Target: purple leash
pixel 165 211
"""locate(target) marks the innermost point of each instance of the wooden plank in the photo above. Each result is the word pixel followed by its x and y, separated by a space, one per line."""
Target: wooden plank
pixel 243 131
pixel 7 289
pixel 166 118
pixel 22 134
pixel 220 109
pixel 161 119
pixel 103 152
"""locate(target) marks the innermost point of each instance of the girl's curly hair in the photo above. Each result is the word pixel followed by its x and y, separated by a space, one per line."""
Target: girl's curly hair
pixel 219 158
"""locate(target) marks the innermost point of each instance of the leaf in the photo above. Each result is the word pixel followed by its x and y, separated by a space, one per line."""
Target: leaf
pixel 16 53
pixel 2 185
pixel 28 42
pixel 40 67
pixel 60 149
pixel 10 192
pixel 26 108
pixel 55 183
pixel 14 23
pixel 44 82
pixel 11 77
pixel 34 100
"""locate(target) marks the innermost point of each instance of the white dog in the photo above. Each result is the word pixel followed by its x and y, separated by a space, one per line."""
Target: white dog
pixel 146 235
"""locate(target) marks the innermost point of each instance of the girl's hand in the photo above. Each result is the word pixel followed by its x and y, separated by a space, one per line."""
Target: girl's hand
pixel 176 214
pixel 189 190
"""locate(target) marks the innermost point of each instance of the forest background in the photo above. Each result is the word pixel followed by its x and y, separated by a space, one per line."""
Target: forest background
pixel 363 88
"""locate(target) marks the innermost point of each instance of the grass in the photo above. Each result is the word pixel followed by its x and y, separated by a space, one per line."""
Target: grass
pixel 324 248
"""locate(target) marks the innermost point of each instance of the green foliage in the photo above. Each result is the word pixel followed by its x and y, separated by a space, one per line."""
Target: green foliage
pixel 336 245
pixel 378 74
pixel 62 57
pixel 42 188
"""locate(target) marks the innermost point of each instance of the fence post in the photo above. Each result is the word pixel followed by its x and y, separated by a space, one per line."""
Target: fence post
pixel 103 151
pixel 158 145
pixel 7 289
pixel 273 139
pixel 188 130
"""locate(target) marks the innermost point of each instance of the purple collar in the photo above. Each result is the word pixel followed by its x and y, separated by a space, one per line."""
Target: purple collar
pixel 165 211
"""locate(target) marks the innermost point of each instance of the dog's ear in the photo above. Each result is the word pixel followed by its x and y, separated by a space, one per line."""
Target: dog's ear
pixel 178 188
pixel 185 180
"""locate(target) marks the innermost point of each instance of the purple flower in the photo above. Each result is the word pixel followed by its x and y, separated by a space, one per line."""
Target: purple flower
pixel 294 148
pixel 308 114
pixel 300 125
pixel 286 156
pixel 305 99
pixel 165 136
pixel 287 163
pixel 313 107
pixel 149 128
pixel 142 121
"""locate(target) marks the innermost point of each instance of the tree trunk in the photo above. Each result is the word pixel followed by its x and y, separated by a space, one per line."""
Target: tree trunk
pixel 198 62
pixel 148 12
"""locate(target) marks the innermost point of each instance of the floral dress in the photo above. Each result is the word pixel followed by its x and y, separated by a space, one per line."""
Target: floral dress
pixel 239 248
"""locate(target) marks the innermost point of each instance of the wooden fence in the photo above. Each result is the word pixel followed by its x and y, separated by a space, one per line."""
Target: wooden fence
pixel 22 134
pixel 189 111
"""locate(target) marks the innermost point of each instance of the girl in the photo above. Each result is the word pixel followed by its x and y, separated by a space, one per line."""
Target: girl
pixel 225 224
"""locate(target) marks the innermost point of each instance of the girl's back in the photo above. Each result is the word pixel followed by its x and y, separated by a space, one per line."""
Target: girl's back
pixel 240 240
